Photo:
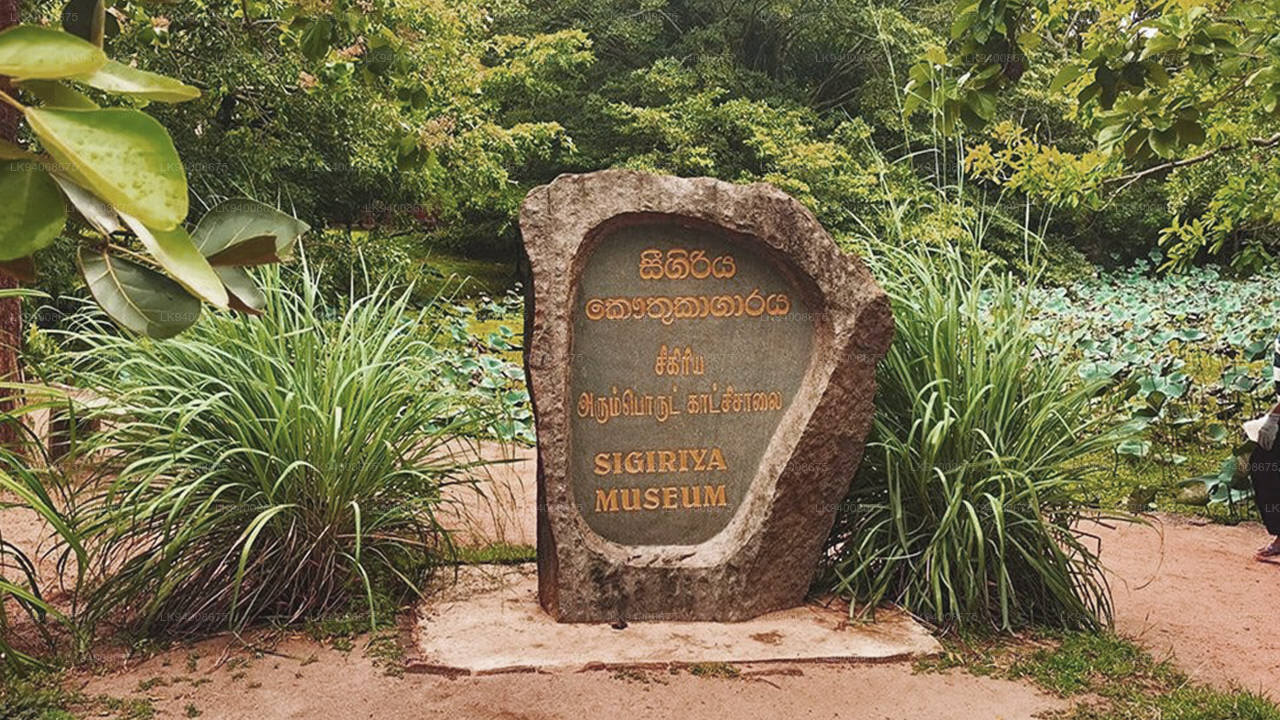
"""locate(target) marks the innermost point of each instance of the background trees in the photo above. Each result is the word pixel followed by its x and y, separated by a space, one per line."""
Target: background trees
pixel 1124 126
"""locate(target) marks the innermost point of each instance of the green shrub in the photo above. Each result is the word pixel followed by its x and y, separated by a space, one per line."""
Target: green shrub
pixel 962 510
pixel 270 468
pixel 44 494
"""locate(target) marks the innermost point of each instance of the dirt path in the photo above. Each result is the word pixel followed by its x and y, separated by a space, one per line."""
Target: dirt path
pixel 1182 589
pixel 318 682
pixel 1195 592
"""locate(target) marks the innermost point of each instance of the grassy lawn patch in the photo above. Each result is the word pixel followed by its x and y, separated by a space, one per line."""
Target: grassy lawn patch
pixel 497 554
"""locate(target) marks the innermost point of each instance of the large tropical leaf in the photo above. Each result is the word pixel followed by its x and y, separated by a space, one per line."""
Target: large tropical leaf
pixel 124 156
pixel 30 51
pixel 244 293
pixel 118 78
pixel 57 94
pixel 97 213
pixel 247 232
pixel 180 258
pixel 137 297
pixel 34 213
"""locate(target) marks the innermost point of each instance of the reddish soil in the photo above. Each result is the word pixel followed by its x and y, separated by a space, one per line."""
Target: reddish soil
pixel 1189 591
pixel 1194 592
pixel 310 681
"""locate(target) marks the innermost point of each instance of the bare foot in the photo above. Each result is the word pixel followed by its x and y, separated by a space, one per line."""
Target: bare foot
pixel 1270 551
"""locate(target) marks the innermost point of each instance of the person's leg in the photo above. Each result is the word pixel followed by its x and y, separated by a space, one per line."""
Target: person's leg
pixel 1264 470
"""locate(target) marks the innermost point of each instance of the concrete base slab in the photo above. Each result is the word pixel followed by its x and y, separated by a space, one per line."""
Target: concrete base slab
pixel 491 622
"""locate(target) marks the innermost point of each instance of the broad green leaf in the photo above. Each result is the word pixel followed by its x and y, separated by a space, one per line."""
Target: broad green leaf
pixel 1110 135
pixel 33 210
pixel 124 156
pixel 120 79
pixel 97 213
pixel 30 51
pixel 247 232
pixel 1189 132
pixel 179 257
pixel 54 93
pixel 1064 77
pixel 244 293
pixel 137 297
pixel 316 39
pixel 1160 43
pixel 1164 142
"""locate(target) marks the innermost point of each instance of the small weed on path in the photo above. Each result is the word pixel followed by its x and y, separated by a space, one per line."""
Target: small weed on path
pixel 1109 677
pixel 44 696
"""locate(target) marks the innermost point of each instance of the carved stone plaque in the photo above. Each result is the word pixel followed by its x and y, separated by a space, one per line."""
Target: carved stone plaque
pixel 688 347
pixel 701 359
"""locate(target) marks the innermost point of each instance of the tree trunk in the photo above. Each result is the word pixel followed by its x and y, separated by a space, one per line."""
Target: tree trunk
pixel 10 308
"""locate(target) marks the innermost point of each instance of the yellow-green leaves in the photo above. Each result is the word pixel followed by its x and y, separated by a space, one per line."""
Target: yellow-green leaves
pixel 118 78
pixel 56 94
pixel 33 214
pixel 137 297
pixel 124 156
pixel 29 51
pixel 179 257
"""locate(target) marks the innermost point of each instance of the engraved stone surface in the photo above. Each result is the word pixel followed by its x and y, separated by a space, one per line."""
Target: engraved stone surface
pixel 701 358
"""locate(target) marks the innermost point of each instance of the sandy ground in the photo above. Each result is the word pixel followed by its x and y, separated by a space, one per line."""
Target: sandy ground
pixel 308 681
pixel 1184 590
pixel 1194 592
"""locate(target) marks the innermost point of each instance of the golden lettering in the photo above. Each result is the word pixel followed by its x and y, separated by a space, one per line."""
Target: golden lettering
pixel 648 462
pixel 681 263
pixel 714 495
pixel 607 502
pixel 632 494
pixel 669 495
pixel 652 498
pixel 661 497
pixel 695 500
pixel 668 309
pixel 716 462
pixel 666 461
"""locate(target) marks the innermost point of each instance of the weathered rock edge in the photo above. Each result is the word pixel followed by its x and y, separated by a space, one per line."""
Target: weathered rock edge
pixel 764 560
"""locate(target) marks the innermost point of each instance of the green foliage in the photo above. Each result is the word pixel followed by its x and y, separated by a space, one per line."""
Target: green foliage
pixel 38 214
pixel 1175 87
pixel 119 169
pixel 963 510
pixel 270 468
pixel 45 495
pixel 390 114
pixel 37 696
pixel 1106 676
pixel 1185 356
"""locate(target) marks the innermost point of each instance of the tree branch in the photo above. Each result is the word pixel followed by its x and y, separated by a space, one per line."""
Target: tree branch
pixel 1262 143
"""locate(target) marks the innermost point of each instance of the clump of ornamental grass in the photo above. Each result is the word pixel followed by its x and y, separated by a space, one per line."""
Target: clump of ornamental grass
pixel 963 511
pixel 272 468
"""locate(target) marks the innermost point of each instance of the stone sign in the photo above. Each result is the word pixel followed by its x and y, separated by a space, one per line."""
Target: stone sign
pixel 701 358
